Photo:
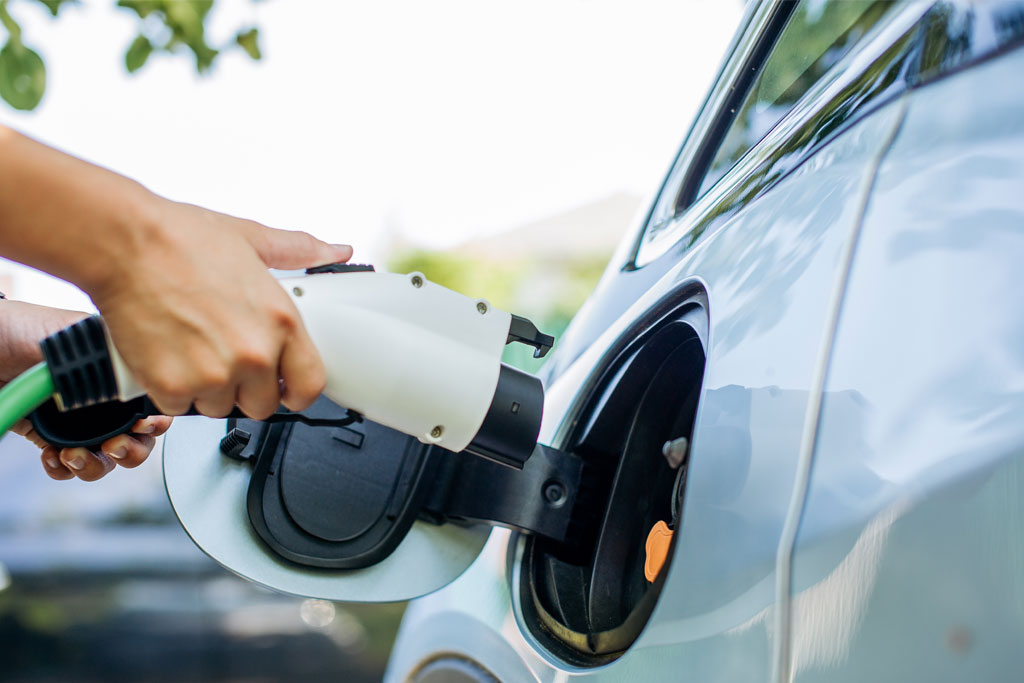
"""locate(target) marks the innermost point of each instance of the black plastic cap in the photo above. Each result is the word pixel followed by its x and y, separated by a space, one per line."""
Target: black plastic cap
pixel 340 268
pixel 78 360
pixel 235 442
pixel 510 428
pixel 523 331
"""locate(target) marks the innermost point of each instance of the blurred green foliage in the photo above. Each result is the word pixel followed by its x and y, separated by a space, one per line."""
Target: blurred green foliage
pixel 548 293
pixel 165 26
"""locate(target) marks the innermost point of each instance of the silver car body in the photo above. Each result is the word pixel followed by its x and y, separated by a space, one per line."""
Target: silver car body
pixel 866 330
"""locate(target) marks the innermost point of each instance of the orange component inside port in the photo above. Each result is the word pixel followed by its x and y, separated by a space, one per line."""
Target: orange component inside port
pixel 658 542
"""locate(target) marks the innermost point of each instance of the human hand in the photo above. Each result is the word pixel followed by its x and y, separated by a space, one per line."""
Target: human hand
pixel 198 318
pixel 127 450
pixel 22 326
pixel 184 291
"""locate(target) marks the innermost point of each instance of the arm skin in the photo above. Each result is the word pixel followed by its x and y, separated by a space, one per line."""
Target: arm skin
pixel 185 291
pixel 22 325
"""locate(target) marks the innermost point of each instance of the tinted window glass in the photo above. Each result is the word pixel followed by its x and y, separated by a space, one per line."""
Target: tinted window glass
pixel 886 77
pixel 960 33
pixel 818 35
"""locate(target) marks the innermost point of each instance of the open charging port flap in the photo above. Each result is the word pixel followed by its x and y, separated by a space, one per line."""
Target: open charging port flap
pixel 588 600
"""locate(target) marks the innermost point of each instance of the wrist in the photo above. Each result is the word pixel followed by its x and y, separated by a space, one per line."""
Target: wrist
pixel 17 355
pixel 68 217
pixel 129 230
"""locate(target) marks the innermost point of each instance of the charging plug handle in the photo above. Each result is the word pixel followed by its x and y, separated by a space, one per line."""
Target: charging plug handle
pixel 80 364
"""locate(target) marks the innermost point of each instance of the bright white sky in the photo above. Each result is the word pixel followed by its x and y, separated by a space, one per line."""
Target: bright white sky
pixel 438 121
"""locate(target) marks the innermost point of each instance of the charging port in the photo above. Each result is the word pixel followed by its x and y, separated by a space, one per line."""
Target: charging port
pixel 588 601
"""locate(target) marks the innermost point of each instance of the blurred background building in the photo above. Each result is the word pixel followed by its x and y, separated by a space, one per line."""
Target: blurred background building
pixel 500 148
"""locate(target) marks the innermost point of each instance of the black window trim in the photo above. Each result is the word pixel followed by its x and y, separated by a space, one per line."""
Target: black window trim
pixel 727 113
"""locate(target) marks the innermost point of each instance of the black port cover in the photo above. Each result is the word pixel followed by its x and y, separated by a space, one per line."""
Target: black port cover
pixel 340 497
pixel 343 496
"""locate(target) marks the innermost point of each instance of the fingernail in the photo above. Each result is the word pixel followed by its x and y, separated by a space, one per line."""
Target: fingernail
pixel 53 463
pixel 119 452
pixel 145 428
pixel 76 462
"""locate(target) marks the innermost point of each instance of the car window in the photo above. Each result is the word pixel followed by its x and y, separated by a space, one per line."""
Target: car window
pixel 818 34
pixel 960 33
pixel 780 70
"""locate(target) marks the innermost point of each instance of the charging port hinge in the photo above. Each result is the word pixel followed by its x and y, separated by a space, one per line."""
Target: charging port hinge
pixel 541 498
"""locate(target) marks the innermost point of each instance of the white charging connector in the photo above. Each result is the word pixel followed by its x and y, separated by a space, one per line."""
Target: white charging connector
pixel 414 356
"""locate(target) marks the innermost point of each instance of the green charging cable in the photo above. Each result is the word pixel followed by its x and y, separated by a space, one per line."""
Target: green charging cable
pixel 23 394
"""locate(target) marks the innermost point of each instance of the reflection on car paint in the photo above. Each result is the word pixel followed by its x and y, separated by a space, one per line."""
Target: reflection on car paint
pixel 932 338
pixel 958 34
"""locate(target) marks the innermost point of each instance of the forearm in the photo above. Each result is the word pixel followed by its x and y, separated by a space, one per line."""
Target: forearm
pixel 66 216
pixel 184 291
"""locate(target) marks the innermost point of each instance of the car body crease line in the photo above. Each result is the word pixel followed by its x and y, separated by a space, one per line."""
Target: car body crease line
pixel 781 670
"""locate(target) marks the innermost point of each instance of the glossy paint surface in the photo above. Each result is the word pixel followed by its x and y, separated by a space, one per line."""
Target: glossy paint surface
pixel 909 563
pixel 768 274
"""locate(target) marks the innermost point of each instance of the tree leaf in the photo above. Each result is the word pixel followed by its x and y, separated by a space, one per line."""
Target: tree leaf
pixel 250 42
pixel 8 22
pixel 55 5
pixel 141 7
pixel 202 7
pixel 137 54
pixel 204 54
pixel 22 76
pixel 184 19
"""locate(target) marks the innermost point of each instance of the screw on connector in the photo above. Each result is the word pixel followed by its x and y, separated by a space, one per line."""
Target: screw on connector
pixel 675 451
pixel 481 307
pixel 436 432
pixel 554 492
pixel 234 443
pixel 416 281
pixel 297 291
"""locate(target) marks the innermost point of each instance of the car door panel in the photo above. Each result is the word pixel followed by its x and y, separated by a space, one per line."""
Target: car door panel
pixel 908 564
pixel 770 275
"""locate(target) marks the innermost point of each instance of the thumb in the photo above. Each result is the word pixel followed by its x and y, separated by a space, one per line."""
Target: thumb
pixel 287 249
